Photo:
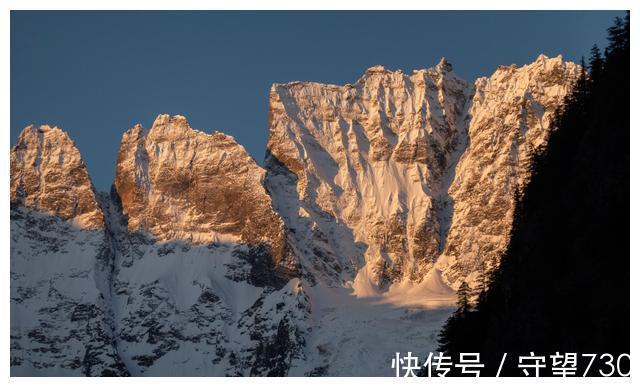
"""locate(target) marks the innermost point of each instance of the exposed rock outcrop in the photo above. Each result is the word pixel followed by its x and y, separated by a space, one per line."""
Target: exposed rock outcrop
pixel 511 113
pixel 177 183
pixel 48 175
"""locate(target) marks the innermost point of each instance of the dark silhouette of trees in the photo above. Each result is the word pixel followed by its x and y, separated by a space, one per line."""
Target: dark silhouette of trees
pixel 563 284
pixel 595 64
pixel 464 295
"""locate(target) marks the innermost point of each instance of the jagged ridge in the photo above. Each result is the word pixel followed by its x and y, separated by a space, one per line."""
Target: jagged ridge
pixel 407 166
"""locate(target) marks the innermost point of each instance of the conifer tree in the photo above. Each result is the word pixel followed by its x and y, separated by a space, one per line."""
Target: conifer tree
pixel 595 64
pixel 617 34
pixel 464 293
pixel 481 282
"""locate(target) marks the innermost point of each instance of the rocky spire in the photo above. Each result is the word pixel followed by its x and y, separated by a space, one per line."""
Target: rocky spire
pixel 179 183
pixel 444 65
pixel 48 175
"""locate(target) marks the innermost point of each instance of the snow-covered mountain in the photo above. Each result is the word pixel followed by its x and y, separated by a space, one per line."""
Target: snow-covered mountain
pixel 204 282
pixel 61 310
pixel 376 200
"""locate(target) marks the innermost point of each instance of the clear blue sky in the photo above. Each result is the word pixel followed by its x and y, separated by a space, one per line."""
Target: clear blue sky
pixel 96 74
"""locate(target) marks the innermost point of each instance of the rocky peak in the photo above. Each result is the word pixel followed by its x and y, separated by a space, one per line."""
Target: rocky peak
pixel 376 69
pixel 369 156
pixel 444 65
pixel 48 175
pixel 420 169
pixel 511 114
pixel 177 183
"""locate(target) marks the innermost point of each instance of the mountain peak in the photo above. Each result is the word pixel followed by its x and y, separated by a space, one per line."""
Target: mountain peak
pixel 444 65
pixel 376 69
pixel 541 58
pixel 166 119
pixel 177 183
pixel 544 58
pixel 343 144
pixel 45 128
pixel 48 175
pixel 545 62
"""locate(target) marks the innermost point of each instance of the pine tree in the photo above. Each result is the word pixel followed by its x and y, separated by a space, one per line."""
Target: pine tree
pixel 582 85
pixel 627 31
pixel 464 292
pixel 595 64
pixel 617 34
pixel 481 282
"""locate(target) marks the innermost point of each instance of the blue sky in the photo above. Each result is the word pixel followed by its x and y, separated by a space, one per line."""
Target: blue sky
pixel 96 74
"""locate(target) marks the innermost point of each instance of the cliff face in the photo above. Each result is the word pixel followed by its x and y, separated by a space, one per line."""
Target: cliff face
pixel 399 172
pixel 48 175
pixel 178 183
pixel 510 115
pixel 368 161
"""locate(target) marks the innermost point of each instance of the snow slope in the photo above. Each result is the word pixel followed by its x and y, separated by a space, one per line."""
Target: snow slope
pixel 353 336
pixel 61 323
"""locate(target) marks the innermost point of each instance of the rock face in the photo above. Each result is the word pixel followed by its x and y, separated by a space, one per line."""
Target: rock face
pixel 368 160
pixel 48 174
pixel 379 178
pixel 510 116
pixel 182 184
